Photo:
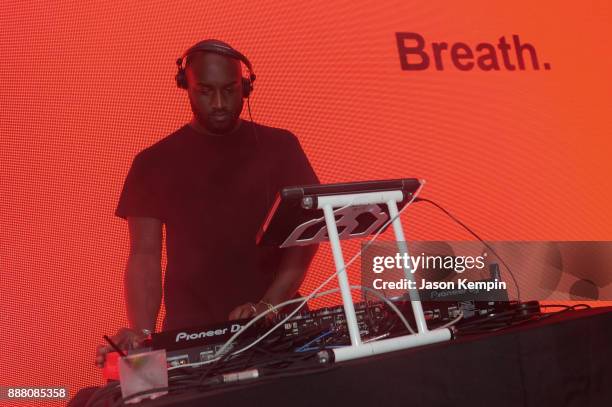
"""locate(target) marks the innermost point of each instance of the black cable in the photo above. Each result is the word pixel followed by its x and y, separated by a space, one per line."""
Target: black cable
pixel 565 309
pixel 251 118
pixel 218 364
pixel 508 319
pixel 275 362
pixel 272 360
pixel 518 290
pixel 175 384
pixel 104 393
pixel 272 366
pixel 266 375
pixel 228 362
pixel 213 365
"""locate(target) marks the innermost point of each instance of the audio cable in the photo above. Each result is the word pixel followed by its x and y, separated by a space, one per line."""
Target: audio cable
pixel 464 226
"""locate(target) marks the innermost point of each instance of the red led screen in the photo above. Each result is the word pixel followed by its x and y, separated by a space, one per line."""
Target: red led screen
pixel 509 122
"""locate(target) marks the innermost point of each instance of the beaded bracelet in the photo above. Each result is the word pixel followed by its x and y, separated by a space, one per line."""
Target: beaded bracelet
pixel 270 307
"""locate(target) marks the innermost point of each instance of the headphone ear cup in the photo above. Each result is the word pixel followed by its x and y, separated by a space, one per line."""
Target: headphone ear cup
pixel 181 79
pixel 247 87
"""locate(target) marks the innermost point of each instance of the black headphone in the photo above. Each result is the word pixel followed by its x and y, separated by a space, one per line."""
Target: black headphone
pixel 221 48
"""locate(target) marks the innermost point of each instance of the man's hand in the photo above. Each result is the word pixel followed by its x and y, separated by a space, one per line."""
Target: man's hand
pixel 248 310
pixel 125 339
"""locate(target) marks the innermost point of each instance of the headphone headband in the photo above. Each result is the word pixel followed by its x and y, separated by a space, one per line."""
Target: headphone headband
pixel 220 48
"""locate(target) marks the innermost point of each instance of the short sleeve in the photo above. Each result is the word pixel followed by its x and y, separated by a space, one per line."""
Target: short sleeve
pixel 140 195
pixel 295 166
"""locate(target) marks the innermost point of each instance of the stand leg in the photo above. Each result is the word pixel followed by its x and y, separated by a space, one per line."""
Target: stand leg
pixel 423 337
pixel 391 345
pixel 402 247
pixel 357 348
pixel 345 289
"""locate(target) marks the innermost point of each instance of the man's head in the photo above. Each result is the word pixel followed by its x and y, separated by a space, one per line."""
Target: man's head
pixel 215 90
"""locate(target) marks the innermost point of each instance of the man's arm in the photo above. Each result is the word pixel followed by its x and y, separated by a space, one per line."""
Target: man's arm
pixel 143 285
pixel 143 282
pixel 293 169
pixel 290 275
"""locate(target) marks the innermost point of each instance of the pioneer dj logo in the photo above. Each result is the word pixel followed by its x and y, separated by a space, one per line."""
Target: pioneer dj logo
pixel 190 336
pixel 417 55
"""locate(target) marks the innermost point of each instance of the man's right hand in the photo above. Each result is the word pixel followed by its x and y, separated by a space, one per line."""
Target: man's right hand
pixel 125 339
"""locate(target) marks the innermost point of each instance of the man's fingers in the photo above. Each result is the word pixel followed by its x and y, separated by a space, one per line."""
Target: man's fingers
pixel 234 314
pixel 242 311
pixel 125 339
pixel 100 361
pixel 135 342
pixel 101 352
pixel 238 313
pixel 121 338
pixel 247 311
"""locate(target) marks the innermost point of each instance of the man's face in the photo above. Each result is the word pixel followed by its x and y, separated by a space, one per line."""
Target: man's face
pixel 215 91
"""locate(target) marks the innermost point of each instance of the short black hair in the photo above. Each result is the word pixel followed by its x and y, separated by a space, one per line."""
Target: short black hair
pixel 192 55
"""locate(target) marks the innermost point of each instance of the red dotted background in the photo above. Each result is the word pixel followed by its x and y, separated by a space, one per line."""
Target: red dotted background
pixel 521 155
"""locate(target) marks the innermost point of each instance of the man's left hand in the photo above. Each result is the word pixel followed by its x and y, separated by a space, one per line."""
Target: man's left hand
pixel 247 310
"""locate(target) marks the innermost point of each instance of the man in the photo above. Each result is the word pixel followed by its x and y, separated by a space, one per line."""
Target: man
pixel 211 184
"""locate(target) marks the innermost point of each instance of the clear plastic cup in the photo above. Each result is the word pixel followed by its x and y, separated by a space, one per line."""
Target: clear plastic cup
pixel 145 371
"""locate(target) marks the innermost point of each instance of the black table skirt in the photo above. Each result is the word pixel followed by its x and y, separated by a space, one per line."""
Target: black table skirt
pixel 564 360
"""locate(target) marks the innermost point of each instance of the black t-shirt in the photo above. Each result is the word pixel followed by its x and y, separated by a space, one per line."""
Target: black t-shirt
pixel 212 193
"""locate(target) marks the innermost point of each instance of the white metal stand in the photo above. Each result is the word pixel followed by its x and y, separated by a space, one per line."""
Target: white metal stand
pixel 358 349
